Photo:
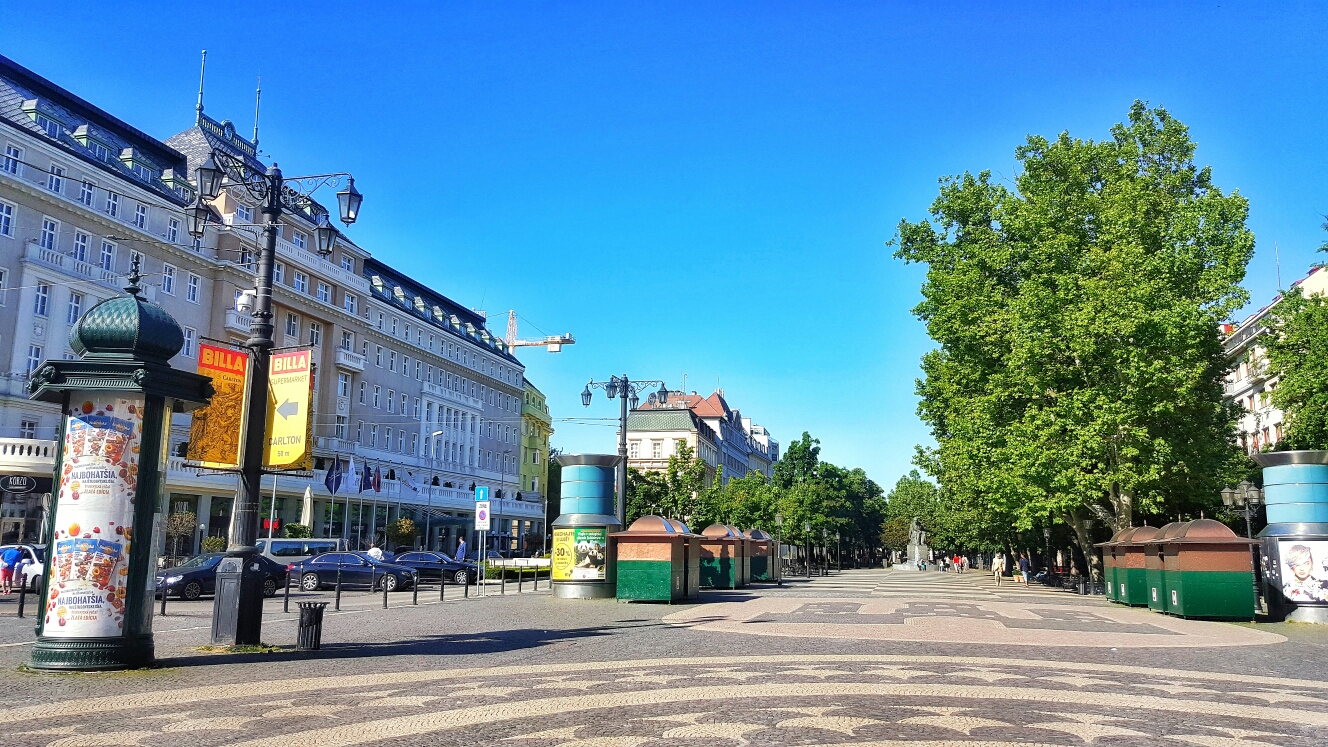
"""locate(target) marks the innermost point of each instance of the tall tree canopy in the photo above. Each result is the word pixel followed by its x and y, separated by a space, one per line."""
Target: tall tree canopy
pixel 1078 373
pixel 1298 356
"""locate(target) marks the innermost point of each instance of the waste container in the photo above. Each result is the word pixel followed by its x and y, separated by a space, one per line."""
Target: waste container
pixel 721 557
pixel 655 559
pixel 1155 565
pixel 1209 572
pixel 1131 572
pixel 1110 562
pixel 761 556
pixel 742 556
pixel 310 637
pixel 238 575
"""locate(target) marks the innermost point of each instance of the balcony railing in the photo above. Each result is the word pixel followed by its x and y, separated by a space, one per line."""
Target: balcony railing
pixel 27 453
pixel 320 266
pixel 237 322
pixel 460 399
pixel 68 264
pixel 350 360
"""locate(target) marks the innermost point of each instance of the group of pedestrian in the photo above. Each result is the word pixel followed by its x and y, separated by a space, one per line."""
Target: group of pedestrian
pixel 12 561
pixel 999 562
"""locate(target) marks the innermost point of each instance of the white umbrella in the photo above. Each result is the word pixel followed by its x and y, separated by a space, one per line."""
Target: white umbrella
pixel 307 513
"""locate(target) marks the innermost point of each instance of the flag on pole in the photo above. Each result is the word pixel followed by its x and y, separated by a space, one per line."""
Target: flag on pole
pixel 334 476
pixel 352 478
pixel 366 479
pixel 378 480
pixel 410 482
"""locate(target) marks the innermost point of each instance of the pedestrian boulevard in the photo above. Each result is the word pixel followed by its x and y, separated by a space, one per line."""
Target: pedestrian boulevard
pixel 905 582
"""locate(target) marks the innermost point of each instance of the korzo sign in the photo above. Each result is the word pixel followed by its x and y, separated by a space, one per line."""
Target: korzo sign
pixel 17 484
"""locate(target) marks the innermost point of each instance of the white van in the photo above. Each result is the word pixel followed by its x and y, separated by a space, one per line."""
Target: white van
pixel 287 551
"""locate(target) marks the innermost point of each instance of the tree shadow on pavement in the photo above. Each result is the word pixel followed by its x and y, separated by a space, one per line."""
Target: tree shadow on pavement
pixel 496 641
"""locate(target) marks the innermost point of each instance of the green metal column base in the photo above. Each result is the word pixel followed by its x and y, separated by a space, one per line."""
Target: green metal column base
pixel 92 654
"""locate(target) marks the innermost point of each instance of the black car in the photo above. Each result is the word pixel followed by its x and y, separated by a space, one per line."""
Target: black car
pixel 358 570
pixel 436 565
pixel 198 576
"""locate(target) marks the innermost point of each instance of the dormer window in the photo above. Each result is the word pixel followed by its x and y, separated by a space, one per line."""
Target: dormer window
pixel 176 183
pixel 141 167
pixel 377 283
pixel 144 173
pixel 84 137
pixel 45 120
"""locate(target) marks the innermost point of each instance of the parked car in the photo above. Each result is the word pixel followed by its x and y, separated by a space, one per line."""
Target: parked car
pixel 437 565
pixel 358 570
pixel 198 576
pixel 287 551
pixel 473 557
pixel 32 572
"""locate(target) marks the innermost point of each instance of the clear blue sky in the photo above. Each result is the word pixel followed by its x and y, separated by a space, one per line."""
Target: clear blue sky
pixel 707 189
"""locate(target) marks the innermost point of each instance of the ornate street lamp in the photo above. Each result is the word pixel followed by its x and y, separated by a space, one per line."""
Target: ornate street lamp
pixel 275 194
pixel 779 547
pixel 1245 496
pixel 807 534
pixel 620 387
pixel 325 235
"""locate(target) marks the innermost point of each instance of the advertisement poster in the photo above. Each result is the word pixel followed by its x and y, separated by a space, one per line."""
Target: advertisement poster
pixel 214 433
pixel 580 554
pixel 290 389
pixel 1304 570
pixel 94 516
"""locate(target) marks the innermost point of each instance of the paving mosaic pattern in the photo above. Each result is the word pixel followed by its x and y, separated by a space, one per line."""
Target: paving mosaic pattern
pixel 767 700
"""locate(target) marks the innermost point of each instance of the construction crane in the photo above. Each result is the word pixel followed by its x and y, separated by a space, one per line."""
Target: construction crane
pixel 554 343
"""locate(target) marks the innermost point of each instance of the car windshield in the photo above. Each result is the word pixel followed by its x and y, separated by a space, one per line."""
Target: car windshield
pixel 40 552
pixel 368 557
pixel 200 561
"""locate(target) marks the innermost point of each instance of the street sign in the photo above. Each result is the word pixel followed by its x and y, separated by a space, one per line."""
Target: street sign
pixel 482 515
pixel 482 493
pixel 17 484
pixel 289 422
pixel 214 433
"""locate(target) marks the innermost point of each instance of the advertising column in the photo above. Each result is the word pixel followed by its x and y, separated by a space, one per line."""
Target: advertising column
pixel 1295 542
pixel 583 555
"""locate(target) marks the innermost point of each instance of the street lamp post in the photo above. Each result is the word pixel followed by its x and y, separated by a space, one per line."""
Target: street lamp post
pixel 779 548
pixel 807 533
pixel 1046 535
pixel 275 194
pixel 839 556
pixel 1247 497
pixel 825 551
pixel 620 387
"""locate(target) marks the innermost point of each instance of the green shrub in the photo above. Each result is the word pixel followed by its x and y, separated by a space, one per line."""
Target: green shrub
pixel 214 544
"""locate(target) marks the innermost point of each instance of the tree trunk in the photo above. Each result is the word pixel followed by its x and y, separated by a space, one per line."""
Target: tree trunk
pixel 1083 534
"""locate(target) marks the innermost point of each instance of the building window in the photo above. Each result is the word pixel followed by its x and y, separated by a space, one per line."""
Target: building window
pixel 324 293
pixel 244 213
pixel 6 219
pixel 112 204
pixel 173 230
pixel 41 299
pixel 373 437
pixel 392 361
pixel 633 449
pixel 85 193
pixel 340 430
pixel 380 320
pixel 168 280
pixel 378 355
pixel 315 334
pixel 391 400
pixel 349 302
pixel 246 256
pixel 81 246
pixel 189 335
pixel 107 260
pixel 414 443
pixel 198 244
pixel 401 440
pixel 364 396
pixel 75 307
pixel 27 429
pixel 347 340
pixel 301 282
pixel 377 391
pixel 143 172
pixel 299 240
pixel 141 216
pixel 656 449
pixel 55 181
pixel 191 288
pixel 35 358
pixel 394 328
pixel 13 162
pixel 293 325
pixel 343 385
pixel 348 263
pixel 50 233
pixel 404 400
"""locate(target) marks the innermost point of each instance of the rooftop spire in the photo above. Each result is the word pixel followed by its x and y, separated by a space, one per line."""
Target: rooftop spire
pixel 134 276
pixel 198 110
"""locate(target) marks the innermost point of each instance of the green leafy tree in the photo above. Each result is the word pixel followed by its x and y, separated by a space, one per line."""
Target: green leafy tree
pixel 402 531
pixel 178 526
pixel 894 534
pixel 213 544
pixel 1298 356
pixel 1079 371
pixel 799 462
pixel 297 531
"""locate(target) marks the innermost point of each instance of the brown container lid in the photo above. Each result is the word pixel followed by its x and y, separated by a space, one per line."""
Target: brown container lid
pixel 719 531
pixel 1116 538
pixel 756 534
pixel 1141 534
pixel 681 527
pixel 1209 532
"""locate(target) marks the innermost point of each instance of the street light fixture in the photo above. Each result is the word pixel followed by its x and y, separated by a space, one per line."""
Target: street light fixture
pixel 620 387
pixel 275 194
pixel 779 547
pixel 807 532
pixel 1247 497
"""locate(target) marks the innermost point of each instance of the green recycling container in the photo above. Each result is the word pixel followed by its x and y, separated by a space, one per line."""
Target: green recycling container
pixel 1131 571
pixel 1209 572
pixel 722 557
pixel 1155 571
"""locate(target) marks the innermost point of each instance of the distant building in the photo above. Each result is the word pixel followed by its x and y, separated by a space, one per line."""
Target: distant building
pixel 654 435
pixel 536 428
pixel 1249 384
pixel 740 445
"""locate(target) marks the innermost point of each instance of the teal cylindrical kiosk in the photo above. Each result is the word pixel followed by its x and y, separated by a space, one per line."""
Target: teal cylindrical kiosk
pixel 1295 542
pixel 583 554
pixel 105 521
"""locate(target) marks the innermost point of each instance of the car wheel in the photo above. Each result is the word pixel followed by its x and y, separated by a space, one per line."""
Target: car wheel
pixel 389 582
pixel 33 583
pixel 192 591
pixel 269 587
pixel 461 578
pixel 309 582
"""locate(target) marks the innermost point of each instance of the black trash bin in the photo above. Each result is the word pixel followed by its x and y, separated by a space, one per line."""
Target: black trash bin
pixel 237 606
pixel 310 637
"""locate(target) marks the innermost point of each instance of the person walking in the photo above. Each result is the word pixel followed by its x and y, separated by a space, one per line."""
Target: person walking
pixel 461 549
pixel 9 562
pixel 375 551
pixel 998 567
pixel 1023 567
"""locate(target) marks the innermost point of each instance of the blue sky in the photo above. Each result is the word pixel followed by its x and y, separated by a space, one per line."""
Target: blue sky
pixel 708 188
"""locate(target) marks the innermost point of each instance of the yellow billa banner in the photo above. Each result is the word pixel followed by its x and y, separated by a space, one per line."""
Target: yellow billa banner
pixel 289 416
pixel 214 435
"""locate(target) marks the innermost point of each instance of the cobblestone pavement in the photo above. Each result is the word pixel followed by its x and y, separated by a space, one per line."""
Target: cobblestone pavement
pixel 531 671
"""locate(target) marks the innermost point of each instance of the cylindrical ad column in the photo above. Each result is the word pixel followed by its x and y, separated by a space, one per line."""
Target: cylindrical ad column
pixel 1295 542
pixel 583 553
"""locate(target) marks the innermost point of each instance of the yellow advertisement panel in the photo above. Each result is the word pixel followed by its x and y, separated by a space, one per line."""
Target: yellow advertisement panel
pixel 214 434
pixel 564 554
pixel 289 417
pixel 580 554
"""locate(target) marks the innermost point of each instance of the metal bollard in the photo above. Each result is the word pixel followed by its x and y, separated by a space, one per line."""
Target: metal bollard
pixel 466 587
pixel 520 579
pixel 383 583
pixel 22 595
pixel 338 607
pixel 415 589
pixel 285 604
pixel 164 591
pixel 502 585
pixel 442 586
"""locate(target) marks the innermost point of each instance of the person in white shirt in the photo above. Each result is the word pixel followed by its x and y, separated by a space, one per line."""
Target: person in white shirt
pixel 375 552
